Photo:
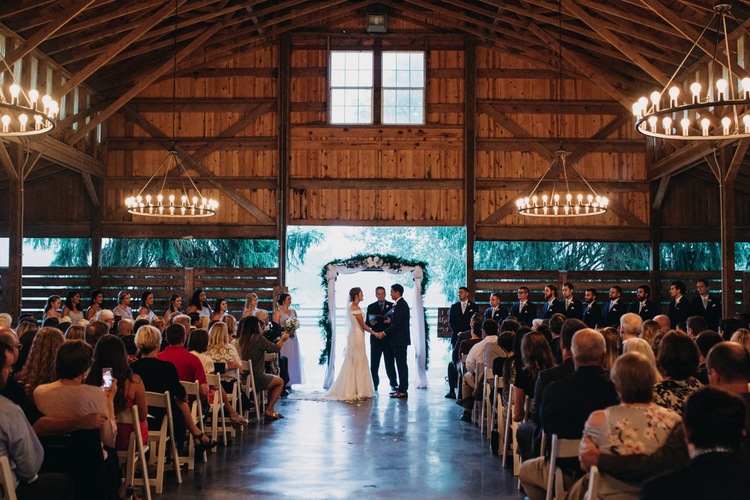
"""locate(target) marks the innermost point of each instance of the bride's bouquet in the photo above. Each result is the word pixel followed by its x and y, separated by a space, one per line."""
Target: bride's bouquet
pixel 291 326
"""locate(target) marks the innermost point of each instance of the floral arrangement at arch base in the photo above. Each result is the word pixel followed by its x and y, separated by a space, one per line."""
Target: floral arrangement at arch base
pixel 369 261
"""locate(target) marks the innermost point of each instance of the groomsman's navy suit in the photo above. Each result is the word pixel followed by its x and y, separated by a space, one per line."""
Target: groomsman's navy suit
pixel 525 315
pixel 611 314
pixel 648 311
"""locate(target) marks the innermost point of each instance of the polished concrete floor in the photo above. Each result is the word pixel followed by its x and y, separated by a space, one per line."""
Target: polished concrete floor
pixel 380 448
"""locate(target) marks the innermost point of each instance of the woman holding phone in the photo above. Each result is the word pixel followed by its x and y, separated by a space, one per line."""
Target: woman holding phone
pixel 111 362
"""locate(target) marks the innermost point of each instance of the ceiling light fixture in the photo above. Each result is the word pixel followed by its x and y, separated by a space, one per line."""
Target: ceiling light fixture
pixel 558 203
pixel 172 203
pixel 23 113
pixel 712 110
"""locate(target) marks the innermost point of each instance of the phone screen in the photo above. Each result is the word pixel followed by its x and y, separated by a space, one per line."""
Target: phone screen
pixel 106 377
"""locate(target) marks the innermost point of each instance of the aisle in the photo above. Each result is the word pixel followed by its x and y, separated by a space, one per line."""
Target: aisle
pixel 381 448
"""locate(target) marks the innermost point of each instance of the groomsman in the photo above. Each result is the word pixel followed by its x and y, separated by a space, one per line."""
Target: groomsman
pixel 460 314
pixel 573 306
pixel 614 309
pixel 551 304
pixel 523 310
pixel 592 312
pixel 495 311
pixel 643 306
pixel 380 347
pixel 679 308
pixel 708 306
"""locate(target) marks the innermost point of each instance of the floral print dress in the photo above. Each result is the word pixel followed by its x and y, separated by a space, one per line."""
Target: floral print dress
pixel 630 430
pixel 673 394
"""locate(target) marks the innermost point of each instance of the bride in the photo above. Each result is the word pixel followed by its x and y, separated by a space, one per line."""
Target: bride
pixel 354 380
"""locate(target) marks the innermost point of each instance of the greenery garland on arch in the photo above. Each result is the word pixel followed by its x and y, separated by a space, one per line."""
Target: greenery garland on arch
pixel 361 260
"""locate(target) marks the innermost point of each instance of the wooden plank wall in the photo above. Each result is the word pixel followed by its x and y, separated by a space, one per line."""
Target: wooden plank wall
pixel 242 159
pixel 403 175
pixel 41 282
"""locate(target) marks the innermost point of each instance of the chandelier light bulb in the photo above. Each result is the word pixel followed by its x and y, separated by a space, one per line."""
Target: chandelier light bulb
pixel 23 120
pixel 725 123
pixel 544 199
pixel 580 198
pixel 557 199
pixel 15 91
pixel 746 122
pixel 568 198
pixel 33 97
pixel 652 122
pixel 674 93
pixel 159 198
pixel 655 97
pixel 667 124
pixel 721 86
pixel 704 126
pixel 685 123
pixel 695 88
pixel 746 86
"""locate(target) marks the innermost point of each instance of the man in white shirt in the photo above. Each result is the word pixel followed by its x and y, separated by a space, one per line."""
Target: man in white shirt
pixel 474 367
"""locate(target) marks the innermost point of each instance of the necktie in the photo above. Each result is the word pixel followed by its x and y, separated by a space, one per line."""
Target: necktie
pixel 463 308
pixel 382 307
pixel 705 302
pixel 640 308
pixel 569 302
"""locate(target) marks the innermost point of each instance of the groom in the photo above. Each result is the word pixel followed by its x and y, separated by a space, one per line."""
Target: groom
pixel 399 336
pixel 379 347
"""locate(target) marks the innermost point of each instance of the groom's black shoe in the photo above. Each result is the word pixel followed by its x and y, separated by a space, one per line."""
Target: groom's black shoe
pixel 466 417
pixel 451 395
pixel 400 395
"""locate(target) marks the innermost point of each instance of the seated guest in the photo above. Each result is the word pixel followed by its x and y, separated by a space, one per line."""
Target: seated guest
pixel 75 332
pixel 567 404
pixel 513 363
pixel 110 353
pixel 198 344
pixel 70 397
pixel 126 331
pixel 649 330
pixel 705 341
pixel 641 346
pixel 678 361
pixel 6 320
pixel 529 433
pixel 537 356
pixel 219 348
pixel 40 365
pixel 728 326
pixel 453 365
pixel 614 343
pixel 253 346
pixel 161 376
pixel 189 367
pixel 473 374
pixel 695 325
pixel 94 331
pixel 636 425
pixel 26 331
pixel 714 423
pixel 742 337
pixel 20 444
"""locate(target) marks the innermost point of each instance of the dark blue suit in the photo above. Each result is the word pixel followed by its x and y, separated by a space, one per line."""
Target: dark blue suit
pixel 399 336
pixel 574 310
pixel 499 315
pixel 611 315
pixel 679 312
pixel 648 311
pixel 549 309
pixel 712 313
pixel 592 315
pixel 525 315
pixel 380 347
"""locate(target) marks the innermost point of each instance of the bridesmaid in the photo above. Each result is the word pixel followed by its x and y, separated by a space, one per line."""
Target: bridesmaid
pixel 175 303
pixel 97 297
pixel 147 302
pixel 52 307
pixel 290 349
pixel 123 305
pixel 251 305
pixel 72 307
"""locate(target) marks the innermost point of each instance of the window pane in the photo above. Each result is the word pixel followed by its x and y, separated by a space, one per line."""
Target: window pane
pixel 389 78
pixel 402 78
pixel 416 79
pixel 337 78
pixel 389 61
pixel 351 83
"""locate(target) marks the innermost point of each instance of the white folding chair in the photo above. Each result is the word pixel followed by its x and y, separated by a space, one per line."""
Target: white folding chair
pixel 498 410
pixel 163 442
pixel 561 448
pixel 234 398
pixel 196 409
pixel 6 479
pixel 486 417
pixel 508 433
pixel 594 478
pixel 216 409
pixel 476 410
pixel 136 451
pixel 249 388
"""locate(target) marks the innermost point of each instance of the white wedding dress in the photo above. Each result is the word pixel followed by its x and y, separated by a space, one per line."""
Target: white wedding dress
pixel 354 380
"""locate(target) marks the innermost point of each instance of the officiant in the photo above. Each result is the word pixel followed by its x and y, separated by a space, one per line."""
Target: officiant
pixel 377 314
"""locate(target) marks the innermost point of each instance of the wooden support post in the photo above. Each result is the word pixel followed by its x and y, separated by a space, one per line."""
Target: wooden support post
pixel 96 244
pixel 12 290
pixel 470 145
pixel 284 93
pixel 188 276
pixel 726 200
pixel 655 250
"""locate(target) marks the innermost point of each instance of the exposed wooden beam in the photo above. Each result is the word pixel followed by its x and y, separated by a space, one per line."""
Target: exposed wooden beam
pixel 59 14
pixel 661 192
pixel 616 42
pixel 238 182
pixel 626 215
pixel 734 165
pixel 605 186
pixel 198 105
pixel 66 155
pixel 233 130
pixel 120 44
pixel 7 163
pixel 377 184
pixel 683 159
pixel 141 85
pixel 90 189
pixel 192 143
pixel 171 230
pixel 551 106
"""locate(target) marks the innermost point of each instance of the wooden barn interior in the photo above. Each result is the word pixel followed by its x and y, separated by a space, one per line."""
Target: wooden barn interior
pixel 248 105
